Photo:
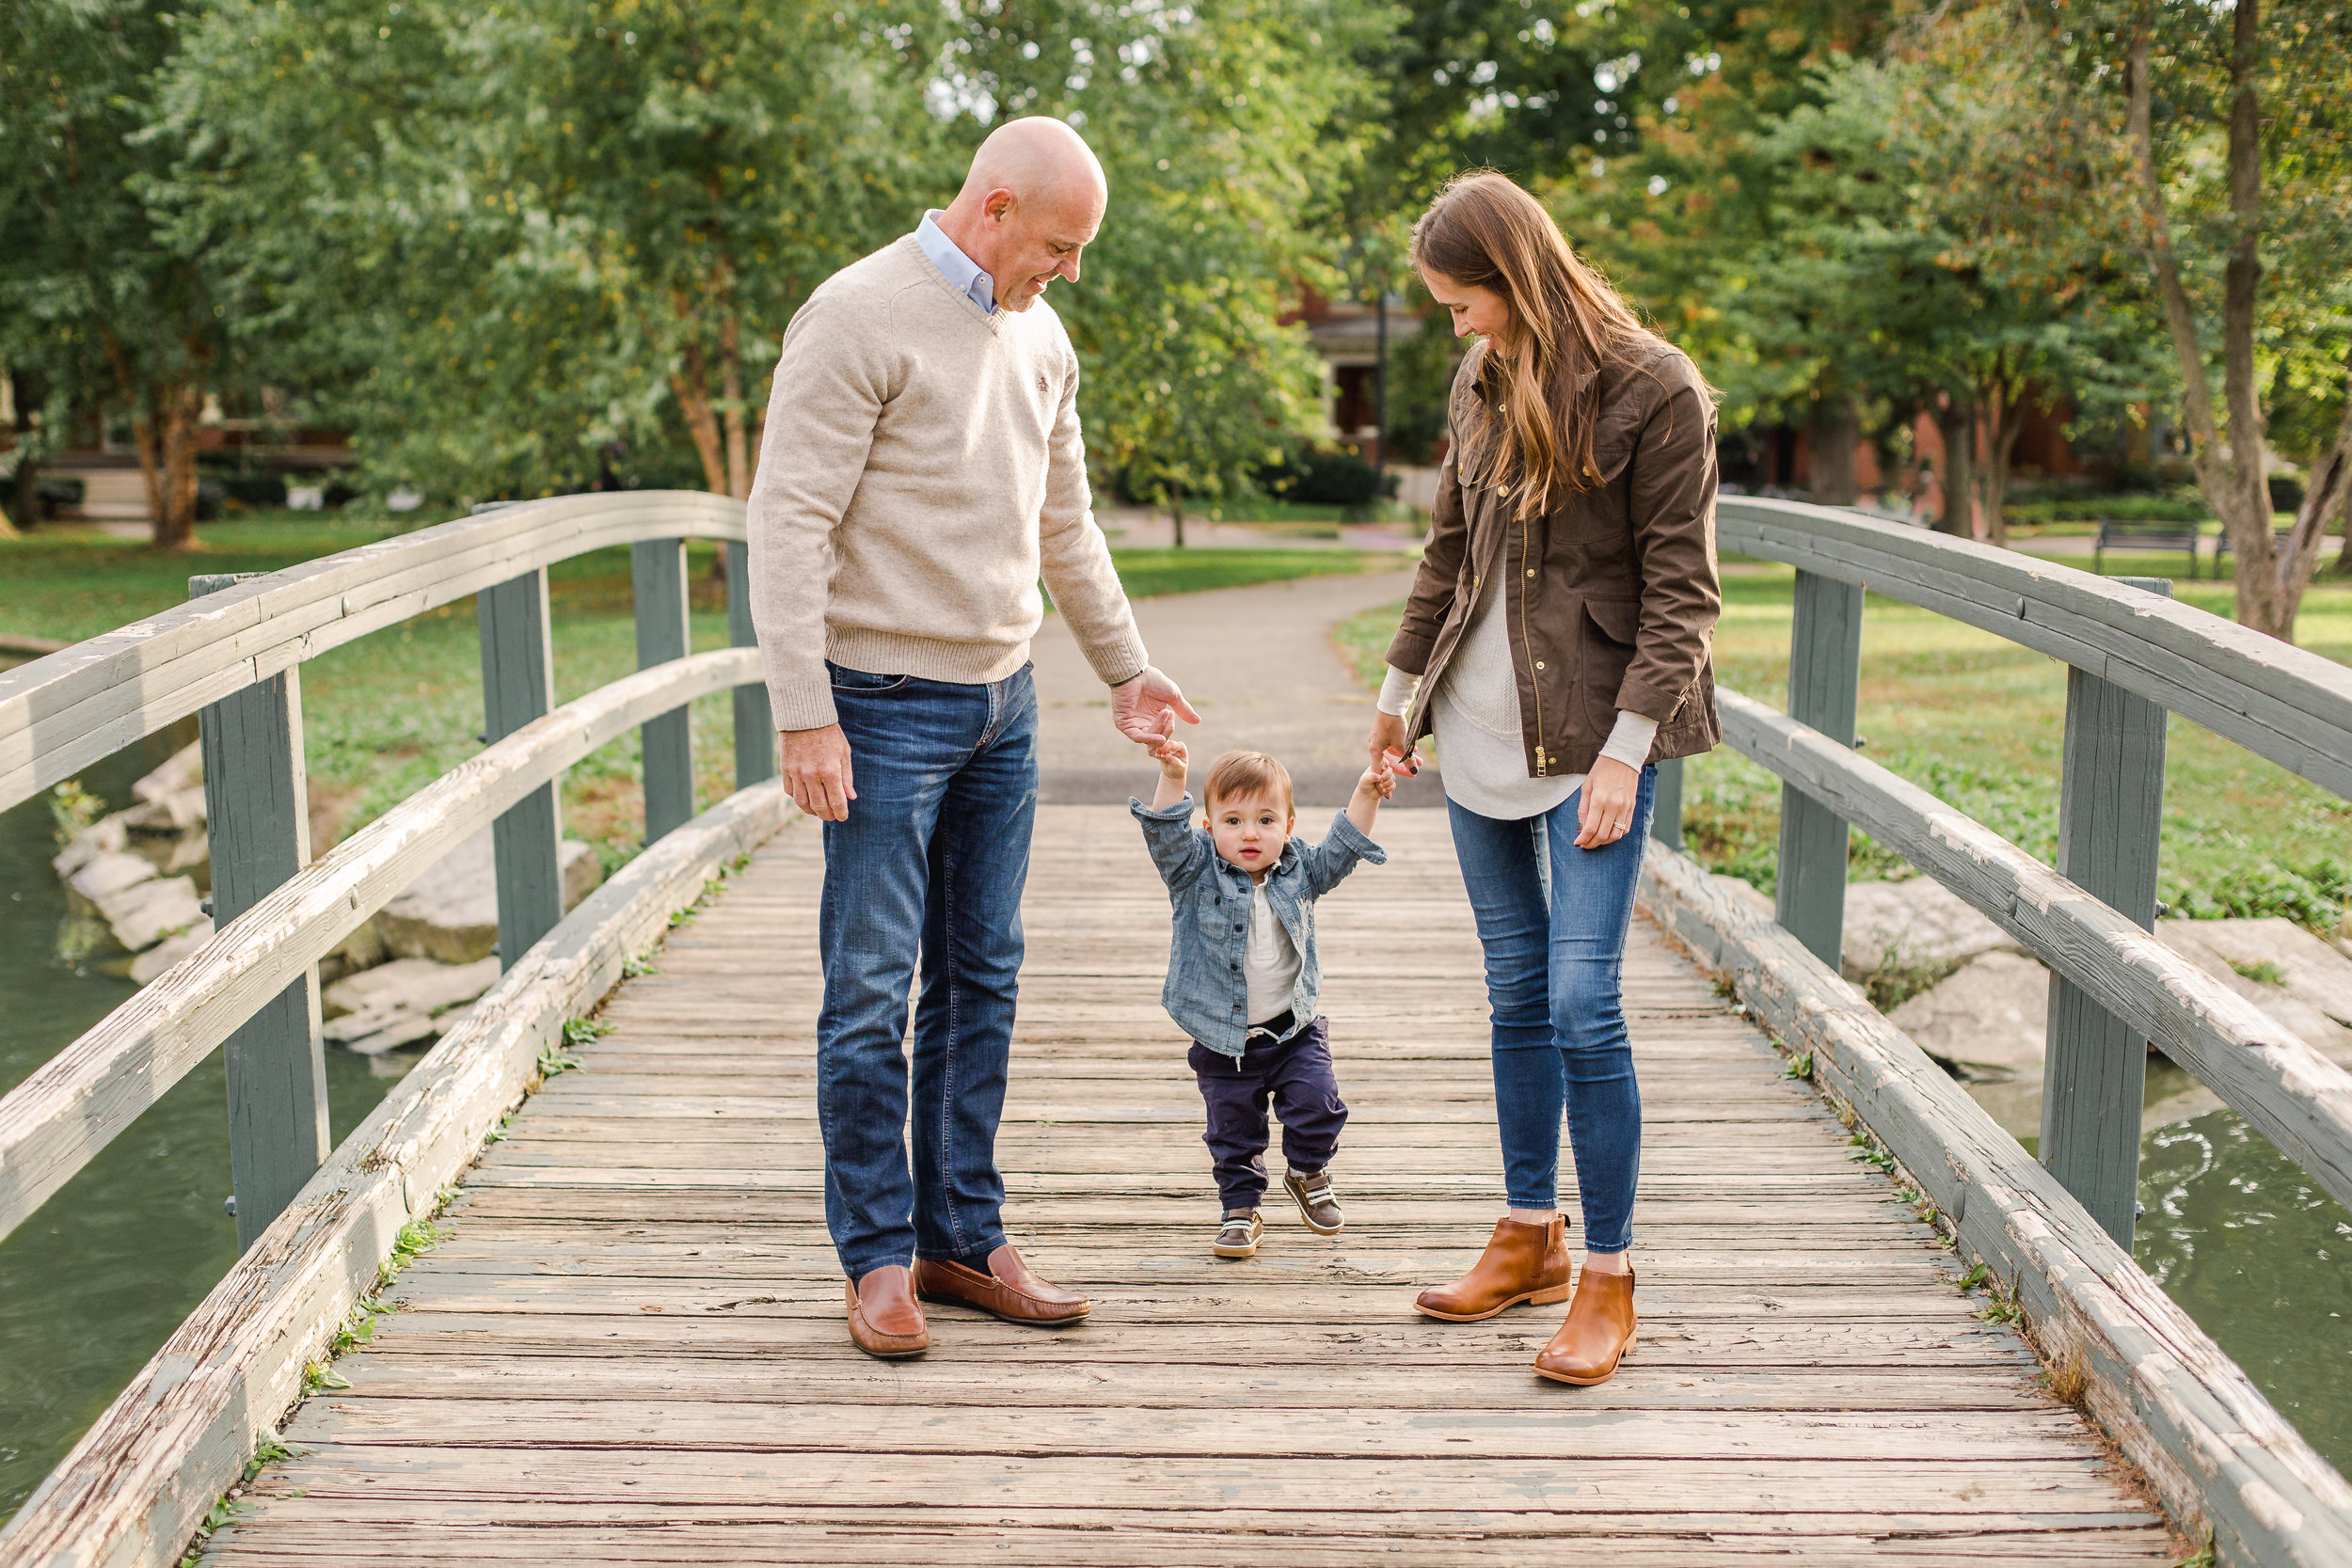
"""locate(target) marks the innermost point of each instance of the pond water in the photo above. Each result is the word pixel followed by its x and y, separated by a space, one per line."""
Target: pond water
pixel 91 1285
pixel 95 1281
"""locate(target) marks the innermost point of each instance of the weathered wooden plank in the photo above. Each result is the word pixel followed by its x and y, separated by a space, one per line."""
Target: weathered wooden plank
pixel 75 1104
pixel 2185 1413
pixel 139 1481
pixel 2276 700
pixel 63 712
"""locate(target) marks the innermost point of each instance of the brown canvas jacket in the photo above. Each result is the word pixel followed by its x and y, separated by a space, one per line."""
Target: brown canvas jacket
pixel 1613 596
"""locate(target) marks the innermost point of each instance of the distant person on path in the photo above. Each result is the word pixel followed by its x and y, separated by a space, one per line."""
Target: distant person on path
pixel 1557 642
pixel 1244 972
pixel 921 468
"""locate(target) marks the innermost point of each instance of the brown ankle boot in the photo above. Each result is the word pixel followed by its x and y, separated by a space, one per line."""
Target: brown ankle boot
pixel 1522 1263
pixel 1598 1331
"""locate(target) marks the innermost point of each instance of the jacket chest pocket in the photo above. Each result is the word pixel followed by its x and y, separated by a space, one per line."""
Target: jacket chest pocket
pixel 1606 630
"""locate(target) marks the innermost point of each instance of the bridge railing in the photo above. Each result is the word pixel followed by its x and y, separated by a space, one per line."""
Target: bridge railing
pixel 314 1222
pixel 2059 1229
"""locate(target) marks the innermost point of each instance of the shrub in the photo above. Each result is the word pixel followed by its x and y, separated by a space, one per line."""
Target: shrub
pixel 1323 478
pixel 2287 493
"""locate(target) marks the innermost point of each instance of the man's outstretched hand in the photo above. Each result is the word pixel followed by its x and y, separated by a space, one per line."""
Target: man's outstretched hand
pixel 1144 708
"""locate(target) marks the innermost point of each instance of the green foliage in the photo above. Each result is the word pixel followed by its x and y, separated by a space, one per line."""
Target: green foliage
pixel 72 808
pixel 2264 972
pixel 1211 125
pixel 102 312
pixel 504 239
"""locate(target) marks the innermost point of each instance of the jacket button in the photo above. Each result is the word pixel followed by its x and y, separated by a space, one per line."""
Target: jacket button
pixel 1539 664
pixel 1236 968
pixel 1531 571
pixel 1240 928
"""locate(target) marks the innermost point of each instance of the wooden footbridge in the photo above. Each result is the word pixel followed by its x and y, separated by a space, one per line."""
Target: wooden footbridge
pixel 626 1345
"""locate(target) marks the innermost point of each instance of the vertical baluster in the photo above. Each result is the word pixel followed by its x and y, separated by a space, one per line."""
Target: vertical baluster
pixel 256 806
pixel 1665 819
pixel 2110 825
pixel 658 577
pixel 1824 670
pixel 754 723
pixel 519 686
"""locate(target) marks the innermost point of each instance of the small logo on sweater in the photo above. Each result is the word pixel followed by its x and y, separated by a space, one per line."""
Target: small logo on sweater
pixel 1040 384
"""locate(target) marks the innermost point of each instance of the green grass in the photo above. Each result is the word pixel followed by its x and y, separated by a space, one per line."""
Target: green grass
pixel 388 714
pixel 1980 722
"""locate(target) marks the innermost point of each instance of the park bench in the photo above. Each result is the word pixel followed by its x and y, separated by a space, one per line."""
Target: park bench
pixel 2116 534
pixel 2221 545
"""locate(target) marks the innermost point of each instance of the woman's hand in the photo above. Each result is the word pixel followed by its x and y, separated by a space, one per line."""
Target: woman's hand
pixel 1605 809
pixel 1386 745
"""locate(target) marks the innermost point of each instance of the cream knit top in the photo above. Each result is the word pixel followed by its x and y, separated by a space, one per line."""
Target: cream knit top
pixel 1482 759
pixel 921 468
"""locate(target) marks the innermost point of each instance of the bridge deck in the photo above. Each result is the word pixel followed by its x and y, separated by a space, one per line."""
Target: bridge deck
pixel 631 1349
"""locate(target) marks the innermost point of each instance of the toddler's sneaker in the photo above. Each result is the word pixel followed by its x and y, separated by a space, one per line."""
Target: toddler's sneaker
pixel 1317 1205
pixel 1237 1237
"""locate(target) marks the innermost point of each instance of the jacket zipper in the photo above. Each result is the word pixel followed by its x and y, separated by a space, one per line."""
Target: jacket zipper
pixel 1542 762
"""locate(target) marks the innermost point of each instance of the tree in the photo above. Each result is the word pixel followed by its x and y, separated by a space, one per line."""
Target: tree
pixel 2233 159
pixel 1211 125
pixel 95 299
pixel 507 241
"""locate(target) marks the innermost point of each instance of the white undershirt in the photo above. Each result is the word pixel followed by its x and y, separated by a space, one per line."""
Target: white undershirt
pixel 1476 712
pixel 1269 963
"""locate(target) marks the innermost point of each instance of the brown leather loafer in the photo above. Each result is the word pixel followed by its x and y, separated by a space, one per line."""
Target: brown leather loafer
pixel 1597 1335
pixel 1007 1289
pixel 1522 1263
pixel 885 1320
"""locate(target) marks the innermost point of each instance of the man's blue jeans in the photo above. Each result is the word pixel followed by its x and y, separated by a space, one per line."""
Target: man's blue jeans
pixel 1553 919
pixel 930 865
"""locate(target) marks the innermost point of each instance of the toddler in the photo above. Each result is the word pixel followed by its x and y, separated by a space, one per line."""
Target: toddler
pixel 1243 972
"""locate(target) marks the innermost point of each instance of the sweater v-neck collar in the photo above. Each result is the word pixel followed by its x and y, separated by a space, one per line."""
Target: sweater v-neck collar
pixel 931 270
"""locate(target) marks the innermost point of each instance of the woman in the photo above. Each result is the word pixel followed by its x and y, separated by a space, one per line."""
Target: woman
pixel 1556 641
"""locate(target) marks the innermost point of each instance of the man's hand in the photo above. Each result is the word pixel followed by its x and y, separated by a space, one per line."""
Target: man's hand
pixel 1388 747
pixel 1606 810
pixel 816 773
pixel 1138 705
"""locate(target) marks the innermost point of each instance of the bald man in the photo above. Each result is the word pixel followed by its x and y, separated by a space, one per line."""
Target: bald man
pixel 922 469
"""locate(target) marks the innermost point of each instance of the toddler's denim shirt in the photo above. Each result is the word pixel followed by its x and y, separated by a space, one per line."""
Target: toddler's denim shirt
pixel 1204 993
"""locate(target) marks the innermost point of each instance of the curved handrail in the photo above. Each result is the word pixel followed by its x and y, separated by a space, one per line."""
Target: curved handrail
pixel 2298 1099
pixel 61 713
pixel 2276 700
pixel 74 1104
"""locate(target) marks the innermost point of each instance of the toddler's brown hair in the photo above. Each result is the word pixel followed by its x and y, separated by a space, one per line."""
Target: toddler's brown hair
pixel 1246 773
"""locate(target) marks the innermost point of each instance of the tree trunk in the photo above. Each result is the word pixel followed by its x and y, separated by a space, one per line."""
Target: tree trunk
pixel 1176 516
pixel 690 385
pixel 147 436
pixel 2230 471
pixel 2002 413
pixel 179 407
pixel 731 407
pixel 1833 432
pixel 1956 421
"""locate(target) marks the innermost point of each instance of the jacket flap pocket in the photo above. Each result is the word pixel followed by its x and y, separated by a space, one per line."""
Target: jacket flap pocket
pixel 1620 620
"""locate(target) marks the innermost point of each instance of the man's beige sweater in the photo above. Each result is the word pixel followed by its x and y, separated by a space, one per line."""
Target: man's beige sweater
pixel 921 467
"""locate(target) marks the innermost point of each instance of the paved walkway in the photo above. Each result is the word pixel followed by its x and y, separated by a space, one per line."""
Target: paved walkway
pixel 1260 665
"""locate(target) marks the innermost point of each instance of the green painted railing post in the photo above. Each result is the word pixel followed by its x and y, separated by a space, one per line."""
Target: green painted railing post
pixel 658 577
pixel 1824 673
pixel 755 722
pixel 258 823
pixel 2110 825
pixel 519 686
pixel 1665 819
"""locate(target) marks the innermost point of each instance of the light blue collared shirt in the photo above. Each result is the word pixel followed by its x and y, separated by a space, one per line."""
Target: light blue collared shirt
pixel 960 270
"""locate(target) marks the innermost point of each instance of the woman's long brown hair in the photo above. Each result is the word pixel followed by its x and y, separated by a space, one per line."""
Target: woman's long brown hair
pixel 1566 325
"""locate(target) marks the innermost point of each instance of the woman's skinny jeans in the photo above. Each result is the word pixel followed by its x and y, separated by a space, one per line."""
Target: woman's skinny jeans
pixel 1553 919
